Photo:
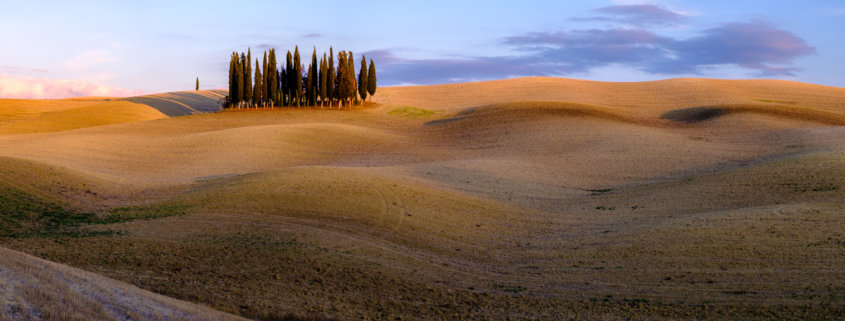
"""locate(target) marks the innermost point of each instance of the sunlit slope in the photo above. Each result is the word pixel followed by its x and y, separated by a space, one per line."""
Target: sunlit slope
pixel 708 203
pixel 38 116
pixel 183 149
pixel 613 139
pixel 649 98
pixel 35 289
pixel 518 145
pixel 183 102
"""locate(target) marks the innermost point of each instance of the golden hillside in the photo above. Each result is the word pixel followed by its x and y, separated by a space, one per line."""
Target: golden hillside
pixel 649 98
pixel 532 198
pixel 19 116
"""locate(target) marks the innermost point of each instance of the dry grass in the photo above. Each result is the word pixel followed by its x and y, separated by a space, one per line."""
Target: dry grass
pixel 39 116
pixel 35 289
pixel 645 98
pixel 532 198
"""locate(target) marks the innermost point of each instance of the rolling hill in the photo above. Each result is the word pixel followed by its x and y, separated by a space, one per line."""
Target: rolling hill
pixel 531 198
pixel 18 116
pixel 183 102
pixel 35 289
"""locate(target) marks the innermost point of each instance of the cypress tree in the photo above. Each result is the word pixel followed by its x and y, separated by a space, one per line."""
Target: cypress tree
pixel 264 93
pixel 239 72
pixel 330 82
pixel 315 80
pixel 233 80
pixel 241 81
pixel 277 96
pixel 273 83
pixel 351 91
pixel 323 79
pixel 297 76
pixel 283 87
pixel 268 75
pixel 289 78
pixel 285 90
pixel 198 83
pixel 248 77
pixel 362 80
pixel 233 94
pixel 309 84
pixel 280 83
pixel 341 79
pixel 258 93
pixel 268 78
pixel 371 79
pixel 231 68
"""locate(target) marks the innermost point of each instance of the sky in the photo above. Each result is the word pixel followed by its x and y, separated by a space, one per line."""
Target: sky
pixel 58 49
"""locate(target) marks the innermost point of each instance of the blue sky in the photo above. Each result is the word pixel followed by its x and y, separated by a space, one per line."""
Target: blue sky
pixel 60 48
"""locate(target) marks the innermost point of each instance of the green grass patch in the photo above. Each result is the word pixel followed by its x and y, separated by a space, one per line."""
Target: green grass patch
pixel 832 241
pixel 825 188
pixel 777 101
pixel 24 215
pixel 150 212
pixel 635 300
pixel 509 288
pixel 698 139
pixel 810 188
pixel 411 112
pixel 599 191
pixel 244 240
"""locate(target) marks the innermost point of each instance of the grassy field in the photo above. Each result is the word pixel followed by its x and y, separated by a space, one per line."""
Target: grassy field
pixel 36 116
pixel 533 198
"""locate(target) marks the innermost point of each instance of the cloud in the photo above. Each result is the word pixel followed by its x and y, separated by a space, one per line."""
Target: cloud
pixel 13 69
pixel 43 88
pixel 86 60
pixel 312 35
pixel 638 15
pixel 754 46
pixel 393 70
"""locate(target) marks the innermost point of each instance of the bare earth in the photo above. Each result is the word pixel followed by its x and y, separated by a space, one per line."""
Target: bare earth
pixel 532 198
pixel 32 289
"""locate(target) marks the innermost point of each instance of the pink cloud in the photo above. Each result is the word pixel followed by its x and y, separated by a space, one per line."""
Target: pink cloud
pixel 44 88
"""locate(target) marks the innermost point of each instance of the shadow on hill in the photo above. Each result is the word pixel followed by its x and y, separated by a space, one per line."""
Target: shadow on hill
pixel 534 110
pixel 703 113
pixel 183 102
pixel 693 115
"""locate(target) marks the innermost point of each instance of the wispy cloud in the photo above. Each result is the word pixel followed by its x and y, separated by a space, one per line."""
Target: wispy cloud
pixel 755 46
pixel 43 88
pixel 89 59
pixel 13 70
pixel 637 15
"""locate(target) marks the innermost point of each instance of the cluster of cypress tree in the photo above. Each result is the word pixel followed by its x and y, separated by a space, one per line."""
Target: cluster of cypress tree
pixel 295 85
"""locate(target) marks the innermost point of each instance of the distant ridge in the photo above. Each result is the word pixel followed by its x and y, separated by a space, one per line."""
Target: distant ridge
pixel 651 98
pixel 183 103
